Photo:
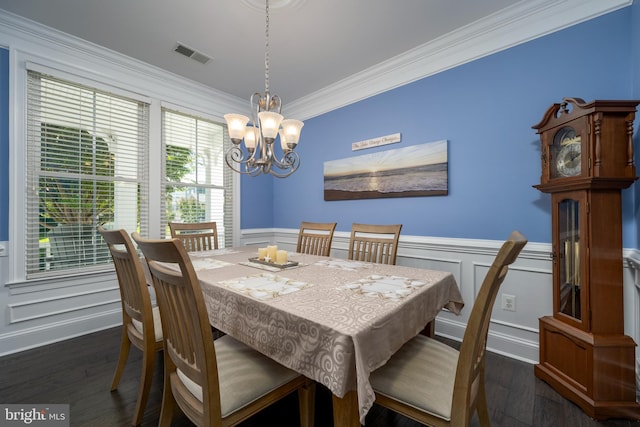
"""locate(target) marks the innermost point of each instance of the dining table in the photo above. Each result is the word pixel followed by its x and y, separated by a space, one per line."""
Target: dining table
pixel 331 319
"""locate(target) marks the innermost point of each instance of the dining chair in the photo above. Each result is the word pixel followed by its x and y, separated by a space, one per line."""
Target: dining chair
pixel 435 384
pixel 213 382
pixel 141 324
pixel 374 243
pixel 196 236
pixel 314 238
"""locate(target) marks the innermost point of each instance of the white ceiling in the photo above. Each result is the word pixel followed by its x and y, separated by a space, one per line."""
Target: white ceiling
pixel 313 43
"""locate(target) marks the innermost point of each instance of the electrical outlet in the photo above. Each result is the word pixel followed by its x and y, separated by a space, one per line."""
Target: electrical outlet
pixel 508 302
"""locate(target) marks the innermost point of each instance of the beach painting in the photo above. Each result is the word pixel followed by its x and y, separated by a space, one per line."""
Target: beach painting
pixel 415 171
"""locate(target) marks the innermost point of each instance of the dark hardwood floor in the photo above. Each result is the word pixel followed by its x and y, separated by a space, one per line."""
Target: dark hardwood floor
pixel 79 372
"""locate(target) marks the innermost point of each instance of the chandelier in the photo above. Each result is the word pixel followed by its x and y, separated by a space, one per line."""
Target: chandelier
pixel 259 153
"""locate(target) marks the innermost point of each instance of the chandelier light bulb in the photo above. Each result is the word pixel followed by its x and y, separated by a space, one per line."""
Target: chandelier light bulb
pixel 269 124
pixel 236 123
pixel 250 137
pixel 291 129
pixel 283 141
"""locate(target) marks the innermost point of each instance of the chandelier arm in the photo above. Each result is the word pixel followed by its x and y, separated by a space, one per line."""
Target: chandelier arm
pixel 286 174
pixel 290 162
pixel 276 104
pixel 235 159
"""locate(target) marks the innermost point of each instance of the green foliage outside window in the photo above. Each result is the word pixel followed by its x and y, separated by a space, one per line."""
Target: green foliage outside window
pixel 75 198
pixel 192 210
pixel 70 200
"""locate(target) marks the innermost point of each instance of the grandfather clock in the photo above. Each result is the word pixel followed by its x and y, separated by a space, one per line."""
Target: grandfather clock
pixel 587 159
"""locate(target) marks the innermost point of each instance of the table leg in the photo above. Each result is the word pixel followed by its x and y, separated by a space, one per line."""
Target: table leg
pixel 430 329
pixel 345 410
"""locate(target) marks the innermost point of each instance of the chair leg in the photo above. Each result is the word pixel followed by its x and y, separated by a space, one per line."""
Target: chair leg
pixel 148 360
pixel 168 402
pixel 307 403
pixel 481 404
pixel 125 345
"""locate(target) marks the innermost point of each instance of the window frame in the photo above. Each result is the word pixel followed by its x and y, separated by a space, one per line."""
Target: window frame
pixel 139 83
pixel 227 228
pixel 94 120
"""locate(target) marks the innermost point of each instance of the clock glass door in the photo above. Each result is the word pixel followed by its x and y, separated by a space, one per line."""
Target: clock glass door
pixel 568 259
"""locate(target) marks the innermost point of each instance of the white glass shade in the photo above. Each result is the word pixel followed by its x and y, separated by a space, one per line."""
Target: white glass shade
pixel 250 137
pixel 283 140
pixel 291 129
pixel 236 123
pixel 269 123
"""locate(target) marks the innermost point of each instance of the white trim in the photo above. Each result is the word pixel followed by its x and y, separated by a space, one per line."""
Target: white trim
pixel 25 339
pixel 57 49
pixel 520 23
pixel 513 334
pixel 35 46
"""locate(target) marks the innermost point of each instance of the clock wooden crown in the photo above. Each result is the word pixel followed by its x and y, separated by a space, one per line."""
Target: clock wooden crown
pixel 604 131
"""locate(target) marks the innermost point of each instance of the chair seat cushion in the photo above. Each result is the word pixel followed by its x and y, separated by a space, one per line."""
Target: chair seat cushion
pixel 421 374
pixel 245 375
pixel 157 324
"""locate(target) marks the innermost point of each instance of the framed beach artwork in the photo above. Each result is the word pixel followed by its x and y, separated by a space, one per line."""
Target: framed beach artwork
pixel 415 171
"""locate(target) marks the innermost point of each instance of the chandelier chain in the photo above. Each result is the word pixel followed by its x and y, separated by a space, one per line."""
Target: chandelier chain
pixel 267 124
pixel 266 51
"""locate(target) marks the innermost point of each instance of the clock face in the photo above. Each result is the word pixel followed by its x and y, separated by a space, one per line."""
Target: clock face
pixel 569 160
pixel 567 153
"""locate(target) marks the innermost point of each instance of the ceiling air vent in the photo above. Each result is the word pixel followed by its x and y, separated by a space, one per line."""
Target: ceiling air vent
pixel 191 53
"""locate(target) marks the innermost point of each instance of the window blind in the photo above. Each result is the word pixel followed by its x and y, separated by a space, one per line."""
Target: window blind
pixel 86 166
pixel 197 185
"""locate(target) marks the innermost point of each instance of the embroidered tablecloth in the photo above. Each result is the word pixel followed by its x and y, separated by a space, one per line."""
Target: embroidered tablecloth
pixel 332 320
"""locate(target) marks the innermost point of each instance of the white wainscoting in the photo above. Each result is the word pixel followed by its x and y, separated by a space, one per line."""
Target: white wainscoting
pixel 511 333
pixel 46 312
pixel 632 303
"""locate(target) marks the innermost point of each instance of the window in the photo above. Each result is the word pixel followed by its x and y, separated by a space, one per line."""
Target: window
pixel 197 184
pixel 86 166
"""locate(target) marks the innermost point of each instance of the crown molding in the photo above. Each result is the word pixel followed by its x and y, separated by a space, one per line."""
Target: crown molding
pixel 520 23
pixel 524 21
pixel 72 54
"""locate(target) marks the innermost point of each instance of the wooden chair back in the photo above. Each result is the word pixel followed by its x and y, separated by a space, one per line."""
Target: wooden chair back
pixel 188 340
pixel 136 307
pixel 471 361
pixel 190 352
pixel 374 243
pixel 134 292
pixel 315 238
pixel 196 236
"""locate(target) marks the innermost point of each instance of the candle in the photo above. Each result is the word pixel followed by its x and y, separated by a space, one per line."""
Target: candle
pixel 281 257
pixel 262 252
pixel 271 252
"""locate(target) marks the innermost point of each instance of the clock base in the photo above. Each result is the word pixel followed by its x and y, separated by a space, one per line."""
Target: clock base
pixel 594 372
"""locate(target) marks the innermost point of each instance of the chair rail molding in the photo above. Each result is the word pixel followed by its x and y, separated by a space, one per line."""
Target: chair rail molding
pixel 512 333
pixel 633 259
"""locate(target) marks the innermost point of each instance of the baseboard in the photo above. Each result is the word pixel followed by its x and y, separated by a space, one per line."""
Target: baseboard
pixel 507 345
pixel 25 339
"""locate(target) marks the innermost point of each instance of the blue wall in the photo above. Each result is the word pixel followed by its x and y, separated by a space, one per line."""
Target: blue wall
pixel 635 84
pixel 485 109
pixel 256 201
pixel 4 144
